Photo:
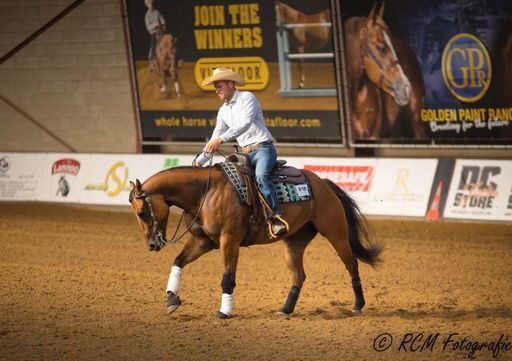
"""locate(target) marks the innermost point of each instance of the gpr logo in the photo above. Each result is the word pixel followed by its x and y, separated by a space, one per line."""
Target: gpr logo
pixel 466 66
pixel 476 187
pixel 5 164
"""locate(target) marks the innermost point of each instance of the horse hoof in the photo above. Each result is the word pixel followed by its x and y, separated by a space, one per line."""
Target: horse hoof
pixel 357 312
pixel 222 315
pixel 173 302
pixel 283 314
pixel 172 308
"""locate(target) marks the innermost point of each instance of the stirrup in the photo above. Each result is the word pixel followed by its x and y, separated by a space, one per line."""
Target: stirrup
pixel 280 219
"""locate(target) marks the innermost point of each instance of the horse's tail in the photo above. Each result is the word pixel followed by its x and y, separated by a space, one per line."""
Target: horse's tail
pixel 367 251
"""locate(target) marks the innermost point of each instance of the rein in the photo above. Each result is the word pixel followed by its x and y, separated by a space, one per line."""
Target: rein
pixel 156 228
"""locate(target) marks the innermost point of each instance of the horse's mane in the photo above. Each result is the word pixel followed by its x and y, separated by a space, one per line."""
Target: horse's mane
pixel 169 170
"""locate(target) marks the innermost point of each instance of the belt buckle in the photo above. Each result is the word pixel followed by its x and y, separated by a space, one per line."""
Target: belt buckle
pixel 249 148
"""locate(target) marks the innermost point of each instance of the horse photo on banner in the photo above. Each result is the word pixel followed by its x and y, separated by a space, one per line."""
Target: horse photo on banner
pixel 428 72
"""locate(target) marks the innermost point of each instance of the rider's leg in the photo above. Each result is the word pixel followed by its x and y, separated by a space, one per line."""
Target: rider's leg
pixel 264 159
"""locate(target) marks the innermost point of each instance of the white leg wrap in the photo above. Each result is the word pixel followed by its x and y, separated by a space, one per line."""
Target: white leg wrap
pixel 173 285
pixel 226 306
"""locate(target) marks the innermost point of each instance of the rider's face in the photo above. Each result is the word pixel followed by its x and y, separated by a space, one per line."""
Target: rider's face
pixel 224 89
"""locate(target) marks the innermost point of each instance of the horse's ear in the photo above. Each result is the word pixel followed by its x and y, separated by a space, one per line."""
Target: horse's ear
pixel 371 17
pixel 138 186
pixel 381 10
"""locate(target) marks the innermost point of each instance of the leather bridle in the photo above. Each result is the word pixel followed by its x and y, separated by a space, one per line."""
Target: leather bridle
pixel 157 230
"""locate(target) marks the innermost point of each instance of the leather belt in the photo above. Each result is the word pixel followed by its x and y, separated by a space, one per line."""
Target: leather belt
pixel 252 147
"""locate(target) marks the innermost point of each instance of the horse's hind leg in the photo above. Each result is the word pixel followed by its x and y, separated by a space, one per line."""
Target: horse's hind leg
pixel 336 233
pixel 294 253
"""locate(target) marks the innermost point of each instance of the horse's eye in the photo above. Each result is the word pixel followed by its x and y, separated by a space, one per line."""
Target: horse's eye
pixel 383 50
pixel 144 215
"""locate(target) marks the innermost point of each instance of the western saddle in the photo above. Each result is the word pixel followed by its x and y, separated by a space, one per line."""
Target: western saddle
pixel 280 173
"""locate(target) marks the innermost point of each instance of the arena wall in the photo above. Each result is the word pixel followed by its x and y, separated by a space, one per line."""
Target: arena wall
pixel 73 79
pixel 404 187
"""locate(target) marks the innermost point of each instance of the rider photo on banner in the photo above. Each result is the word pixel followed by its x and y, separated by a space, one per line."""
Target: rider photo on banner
pixel 283 49
pixel 429 72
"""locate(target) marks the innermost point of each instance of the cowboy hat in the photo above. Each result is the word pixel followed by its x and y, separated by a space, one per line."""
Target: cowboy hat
pixel 224 74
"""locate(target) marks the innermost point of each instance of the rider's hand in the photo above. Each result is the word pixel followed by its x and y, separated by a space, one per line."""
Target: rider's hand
pixel 213 145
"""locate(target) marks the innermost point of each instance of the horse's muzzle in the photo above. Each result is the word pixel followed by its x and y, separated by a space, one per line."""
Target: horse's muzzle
pixel 154 247
pixel 157 242
pixel 402 92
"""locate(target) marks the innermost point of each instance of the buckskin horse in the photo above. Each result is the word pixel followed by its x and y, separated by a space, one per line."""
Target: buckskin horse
pixel 384 78
pixel 166 63
pixel 307 37
pixel 217 219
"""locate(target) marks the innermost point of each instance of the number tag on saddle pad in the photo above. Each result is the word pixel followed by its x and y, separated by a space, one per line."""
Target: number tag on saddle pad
pixel 288 192
pixel 302 190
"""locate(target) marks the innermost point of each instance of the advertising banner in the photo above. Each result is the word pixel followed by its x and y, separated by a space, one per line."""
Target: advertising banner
pixel 431 72
pixel 481 190
pixel 176 44
pixel 354 176
pixel 106 177
pixel 401 187
pixel 20 175
pixel 62 177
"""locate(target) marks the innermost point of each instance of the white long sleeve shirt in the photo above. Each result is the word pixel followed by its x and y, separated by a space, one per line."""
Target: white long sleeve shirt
pixel 153 19
pixel 242 119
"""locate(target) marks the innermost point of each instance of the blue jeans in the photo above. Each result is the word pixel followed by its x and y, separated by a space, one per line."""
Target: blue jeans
pixel 264 160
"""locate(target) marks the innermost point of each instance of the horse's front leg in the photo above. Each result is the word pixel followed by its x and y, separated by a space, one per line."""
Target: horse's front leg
pixel 177 85
pixel 193 249
pixel 230 247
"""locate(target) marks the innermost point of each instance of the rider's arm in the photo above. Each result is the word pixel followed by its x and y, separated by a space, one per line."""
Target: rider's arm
pixel 220 126
pixel 161 20
pixel 148 23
